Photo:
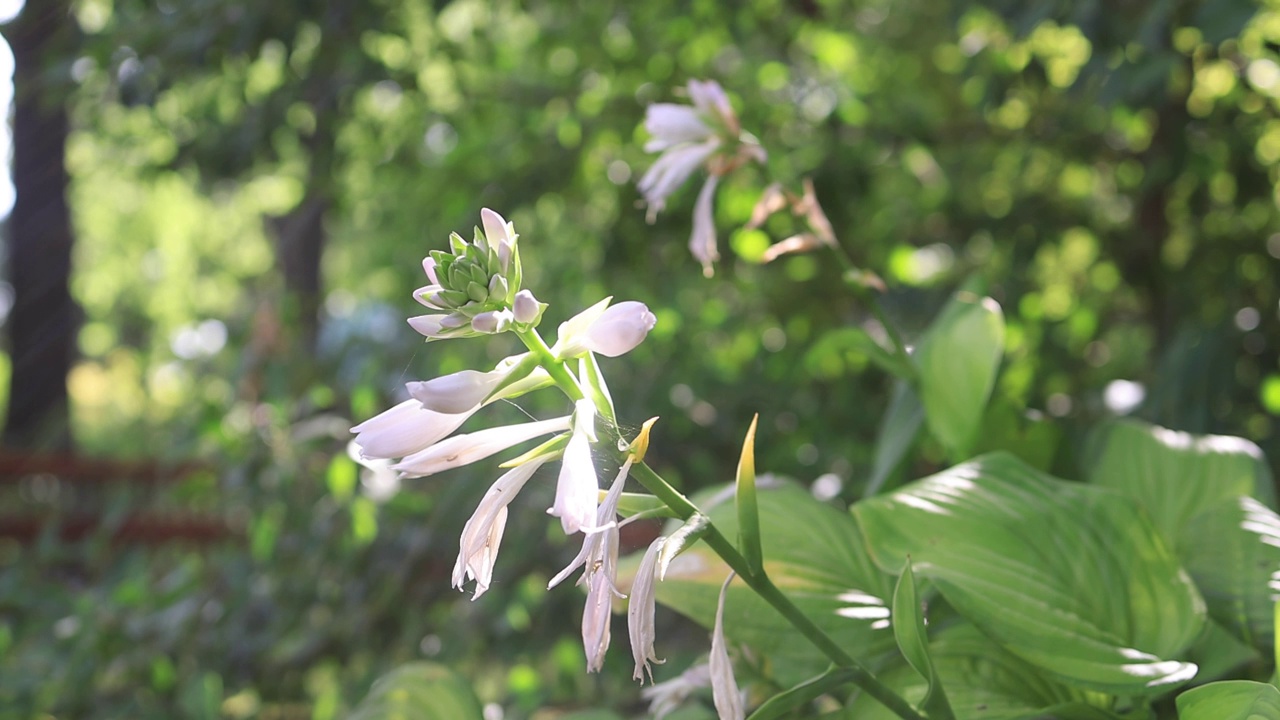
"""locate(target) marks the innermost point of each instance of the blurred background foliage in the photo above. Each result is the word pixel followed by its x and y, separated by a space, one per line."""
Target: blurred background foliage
pixel 253 186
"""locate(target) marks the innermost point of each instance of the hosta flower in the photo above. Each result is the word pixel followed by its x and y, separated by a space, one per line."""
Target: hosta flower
pixel 462 450
pixel 405 429
pixel 605 330
pixel 478 548
pixel 463 391
pixel 577 488
pixel 666 697
pixel 640 612
pixel 705 135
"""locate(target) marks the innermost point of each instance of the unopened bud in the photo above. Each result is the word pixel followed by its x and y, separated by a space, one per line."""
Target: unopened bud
pixel 526 307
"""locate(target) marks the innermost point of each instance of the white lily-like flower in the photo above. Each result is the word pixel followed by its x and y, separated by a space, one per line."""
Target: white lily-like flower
pixel 405 429
pixel 478 548
pixel 462 450
pixel 724 688
pixel 666 697
pixel 577 487
pixel 605 330
pixel 641 607
pixel 594 554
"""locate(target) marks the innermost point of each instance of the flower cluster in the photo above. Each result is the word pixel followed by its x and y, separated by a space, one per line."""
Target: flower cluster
pixel 708 135
pixel 476 288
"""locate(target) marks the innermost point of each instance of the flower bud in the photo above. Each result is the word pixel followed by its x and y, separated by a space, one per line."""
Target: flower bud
pixel 619 329
pixel 526 308
pixel 429 267
pixel 494 321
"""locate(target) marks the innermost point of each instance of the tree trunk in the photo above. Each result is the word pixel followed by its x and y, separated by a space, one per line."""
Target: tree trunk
pixel 44 318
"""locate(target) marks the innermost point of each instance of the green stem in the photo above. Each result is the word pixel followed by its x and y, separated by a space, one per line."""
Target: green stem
pixel 765 588
pixel 547 359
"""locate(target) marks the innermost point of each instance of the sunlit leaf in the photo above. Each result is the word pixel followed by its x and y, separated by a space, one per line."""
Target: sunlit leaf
pixel 958 358
pixel 1071 578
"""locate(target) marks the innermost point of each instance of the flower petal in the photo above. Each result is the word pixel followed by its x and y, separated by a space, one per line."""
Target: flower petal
pixel 640 613
pixel 478 548
pixel 405 429
pixel 724 688
pixel 702 242
pixel 462 450
pixel 619 329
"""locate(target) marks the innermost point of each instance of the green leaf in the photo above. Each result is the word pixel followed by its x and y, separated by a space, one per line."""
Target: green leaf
pixel 745 495
pixel 1196 489
pixel 814 555
pixel 419 691
pixel 1071 578
pixel 1176 475
pixel 341 478
pixel 986 683
pixel 855 339
pixel 636 503
pixel 1232 550
pixel 808 691
pixel 898 431
pixel 913 641
pixel 1230 700
pixel 958 358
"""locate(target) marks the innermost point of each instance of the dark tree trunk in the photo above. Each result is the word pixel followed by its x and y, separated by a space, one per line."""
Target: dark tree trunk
pixel 44 318
pixel 300 239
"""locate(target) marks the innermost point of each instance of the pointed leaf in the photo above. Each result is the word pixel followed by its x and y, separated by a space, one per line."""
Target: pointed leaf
pixel 898 432
pixel 1071 578
pixel 636 503
pixel 784 702
pixel 958 358
pixel 913 641
pixel 745 493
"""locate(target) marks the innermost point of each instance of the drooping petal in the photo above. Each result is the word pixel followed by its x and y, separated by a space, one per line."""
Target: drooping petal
pixel 669 124
pixel 666 697
pixel 640 613
pixel 478 548
pixel 465 449
pixel 594 547
pixel 671 170
pixel 619 329
pixel 710 100
pixel 596 616
pixel 405 429
pixel 724 688
pixel 702 242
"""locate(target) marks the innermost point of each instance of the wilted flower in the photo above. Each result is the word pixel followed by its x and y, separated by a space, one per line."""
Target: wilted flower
pixel 666 697
pixel 724 688
pixel 705 135
pixel 478 548
pixel 640 612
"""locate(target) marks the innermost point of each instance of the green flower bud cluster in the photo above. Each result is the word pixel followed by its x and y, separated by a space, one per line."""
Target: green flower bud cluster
pixel 476 285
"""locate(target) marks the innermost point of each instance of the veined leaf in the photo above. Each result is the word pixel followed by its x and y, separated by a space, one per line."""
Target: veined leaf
pixel 958 358
pixel 1072 578
pixel 1230 700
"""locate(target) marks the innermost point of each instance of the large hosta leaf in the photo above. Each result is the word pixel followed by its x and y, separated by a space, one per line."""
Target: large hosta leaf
pixel 1175 475
pixel 1197 489
pixel 814 554
pixel 958 358
pixel 1232 550
pixel 984 682
pixel 1069 577
pixel 1230 700
pixel 419 691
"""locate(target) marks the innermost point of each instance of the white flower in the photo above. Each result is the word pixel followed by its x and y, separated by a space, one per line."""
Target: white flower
pixel 665 697
pixel 608 331
pixel 724 688
pixel 593 554
pixel 640 613
pixel 671 170
pixel 437 326
pixel 405 429
pixel 462 450
pixel 577 487
pixel 702 241
pixel 458 392
pixel 478 548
